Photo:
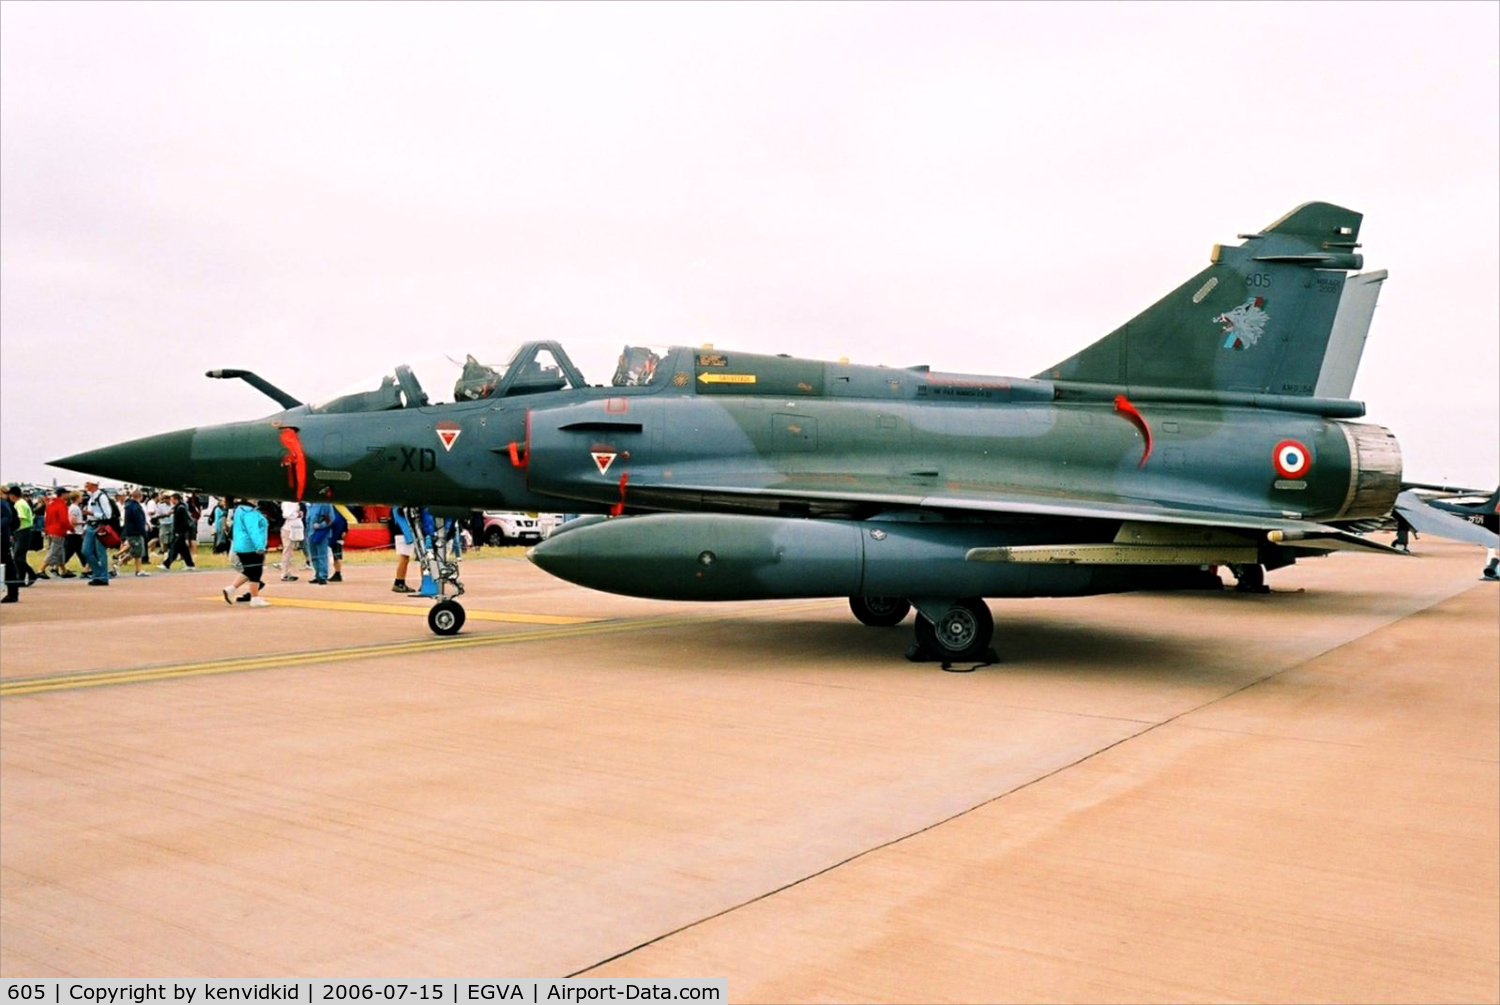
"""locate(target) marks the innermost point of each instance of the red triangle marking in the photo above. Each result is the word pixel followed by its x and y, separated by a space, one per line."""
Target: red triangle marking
pixel 448 436
pixel 602 461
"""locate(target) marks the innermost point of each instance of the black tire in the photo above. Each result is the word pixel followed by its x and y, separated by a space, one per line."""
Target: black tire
pixel 962 634
pixel 880 612
pixel 446 617
pixel 1250 578
pixel 494 537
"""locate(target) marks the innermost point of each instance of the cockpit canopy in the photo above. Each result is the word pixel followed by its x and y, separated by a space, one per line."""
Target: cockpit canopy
pixel 533 368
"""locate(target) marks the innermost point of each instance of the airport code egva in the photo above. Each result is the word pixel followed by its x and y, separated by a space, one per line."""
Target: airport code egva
pixel 447 992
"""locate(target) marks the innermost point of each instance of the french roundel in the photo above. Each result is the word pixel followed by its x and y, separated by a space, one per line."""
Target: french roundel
pixel 1291 459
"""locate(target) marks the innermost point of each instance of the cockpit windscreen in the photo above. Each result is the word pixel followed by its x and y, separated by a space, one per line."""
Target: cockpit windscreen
pixel 531 368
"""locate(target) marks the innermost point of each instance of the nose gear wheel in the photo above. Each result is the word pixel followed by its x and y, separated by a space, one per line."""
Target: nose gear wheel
pixel 445 617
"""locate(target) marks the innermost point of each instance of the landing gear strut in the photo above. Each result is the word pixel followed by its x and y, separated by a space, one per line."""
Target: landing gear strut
pixel 961 632
pixel 440 569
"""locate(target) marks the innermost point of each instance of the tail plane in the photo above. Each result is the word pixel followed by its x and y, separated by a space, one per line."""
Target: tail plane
pixel 1277 315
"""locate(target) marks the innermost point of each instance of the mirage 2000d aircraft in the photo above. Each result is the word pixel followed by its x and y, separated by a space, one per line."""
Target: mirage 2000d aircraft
pixel 1214 429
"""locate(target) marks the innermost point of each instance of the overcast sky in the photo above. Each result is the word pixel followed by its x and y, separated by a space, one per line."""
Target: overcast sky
pixel 318 192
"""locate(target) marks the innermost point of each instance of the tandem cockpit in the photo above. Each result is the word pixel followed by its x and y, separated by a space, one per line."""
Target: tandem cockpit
pixel 533 368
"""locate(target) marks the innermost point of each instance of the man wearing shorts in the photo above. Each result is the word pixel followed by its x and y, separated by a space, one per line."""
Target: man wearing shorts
pixel 135 532
pixel 249 546
pixel 405 538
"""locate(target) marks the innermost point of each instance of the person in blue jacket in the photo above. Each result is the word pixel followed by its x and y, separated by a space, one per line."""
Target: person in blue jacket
pixel 134 533
pixel 336 534
pixel 249 545
pixel 319 522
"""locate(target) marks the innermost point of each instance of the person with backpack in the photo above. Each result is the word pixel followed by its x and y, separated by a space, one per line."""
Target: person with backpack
pixel 98 510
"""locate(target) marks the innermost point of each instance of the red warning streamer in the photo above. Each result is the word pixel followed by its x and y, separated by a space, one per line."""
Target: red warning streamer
pixel 1125 408
pixel 294 460
pixel 619 507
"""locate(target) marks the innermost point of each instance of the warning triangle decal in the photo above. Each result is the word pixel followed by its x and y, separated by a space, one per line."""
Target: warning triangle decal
pixel 602 461
pixel 447 436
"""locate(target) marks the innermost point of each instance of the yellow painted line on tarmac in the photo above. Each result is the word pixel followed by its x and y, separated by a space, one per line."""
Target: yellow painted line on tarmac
pixel 20 686
pixel 420 610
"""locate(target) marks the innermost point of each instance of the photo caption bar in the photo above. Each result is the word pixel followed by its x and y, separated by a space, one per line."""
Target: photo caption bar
pixel 438 991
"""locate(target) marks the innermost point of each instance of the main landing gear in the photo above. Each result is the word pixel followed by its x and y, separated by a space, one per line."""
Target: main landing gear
pixel 439 573
pixel 948 631
pixel 1250 578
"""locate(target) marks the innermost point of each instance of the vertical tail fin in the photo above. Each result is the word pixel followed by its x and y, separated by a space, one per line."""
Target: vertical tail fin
pixel 1267 317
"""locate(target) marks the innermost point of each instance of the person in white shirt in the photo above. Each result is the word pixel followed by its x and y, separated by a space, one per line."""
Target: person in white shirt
pixel 292 533
pixel 73 543
pixel 161 515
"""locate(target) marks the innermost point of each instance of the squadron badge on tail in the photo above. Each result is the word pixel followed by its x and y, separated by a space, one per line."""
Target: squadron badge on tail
pixel 1243 325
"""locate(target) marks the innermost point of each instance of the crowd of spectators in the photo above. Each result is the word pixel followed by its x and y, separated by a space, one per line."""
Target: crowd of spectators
pixel 98 535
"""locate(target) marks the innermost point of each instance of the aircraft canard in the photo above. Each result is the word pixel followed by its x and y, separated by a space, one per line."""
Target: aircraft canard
pixel 1212 429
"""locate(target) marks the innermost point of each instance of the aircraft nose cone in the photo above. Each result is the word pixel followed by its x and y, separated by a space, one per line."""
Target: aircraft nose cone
pixel 163 461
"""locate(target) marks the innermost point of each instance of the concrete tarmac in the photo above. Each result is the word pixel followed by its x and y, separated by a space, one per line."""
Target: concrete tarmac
pixel 1185 797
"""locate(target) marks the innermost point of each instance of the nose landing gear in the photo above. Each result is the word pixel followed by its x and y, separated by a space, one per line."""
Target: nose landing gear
pixel 440 580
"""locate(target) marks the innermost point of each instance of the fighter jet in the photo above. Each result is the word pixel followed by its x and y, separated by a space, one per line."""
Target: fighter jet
pixel 1471 507
pixel 1214 429
pixel 1458 514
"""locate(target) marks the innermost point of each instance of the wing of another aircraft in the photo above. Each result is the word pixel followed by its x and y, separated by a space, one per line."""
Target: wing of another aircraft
pixel 1427 519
